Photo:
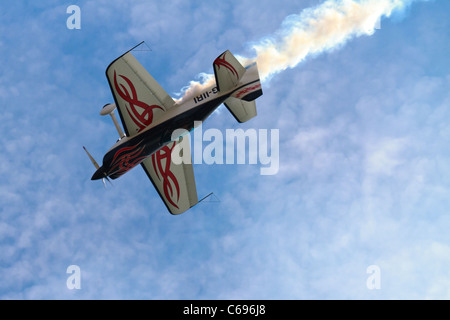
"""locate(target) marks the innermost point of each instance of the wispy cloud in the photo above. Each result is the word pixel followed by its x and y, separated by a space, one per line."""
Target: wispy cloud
pixel 363 177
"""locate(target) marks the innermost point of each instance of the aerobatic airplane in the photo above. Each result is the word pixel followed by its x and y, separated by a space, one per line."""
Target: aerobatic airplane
pixel 149 117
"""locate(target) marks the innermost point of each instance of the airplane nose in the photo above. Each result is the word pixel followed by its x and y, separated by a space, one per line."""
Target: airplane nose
pixel 99 174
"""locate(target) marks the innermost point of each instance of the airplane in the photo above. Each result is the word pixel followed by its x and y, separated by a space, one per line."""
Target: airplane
pixel 150 117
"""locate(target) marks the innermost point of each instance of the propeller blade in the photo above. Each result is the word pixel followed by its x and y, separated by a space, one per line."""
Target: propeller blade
pixel 92 159
pixel 106 177
pixel 97 167
pixel 104 183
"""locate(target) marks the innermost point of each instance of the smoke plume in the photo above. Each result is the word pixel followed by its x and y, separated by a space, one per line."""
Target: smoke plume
pixel 315 30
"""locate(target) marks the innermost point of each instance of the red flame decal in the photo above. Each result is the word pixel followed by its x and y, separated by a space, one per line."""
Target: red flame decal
pixel 168 178
pixel 126 159
pixel 141 119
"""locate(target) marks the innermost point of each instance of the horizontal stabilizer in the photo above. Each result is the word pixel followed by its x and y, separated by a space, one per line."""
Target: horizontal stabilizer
pixel 228 71
pixel 241 110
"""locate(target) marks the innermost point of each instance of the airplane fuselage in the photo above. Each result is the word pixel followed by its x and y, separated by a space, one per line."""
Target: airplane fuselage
pixel 128 152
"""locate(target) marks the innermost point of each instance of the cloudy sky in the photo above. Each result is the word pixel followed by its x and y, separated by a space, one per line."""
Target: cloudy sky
pixel 364 153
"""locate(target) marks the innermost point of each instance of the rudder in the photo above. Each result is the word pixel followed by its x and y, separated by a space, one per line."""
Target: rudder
pixel 228 71
pixel 243 84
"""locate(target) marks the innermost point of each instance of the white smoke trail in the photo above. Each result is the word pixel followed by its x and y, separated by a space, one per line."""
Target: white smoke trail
pixel 313 31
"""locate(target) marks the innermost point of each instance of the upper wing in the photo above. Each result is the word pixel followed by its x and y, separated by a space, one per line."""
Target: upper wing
pixel 175 183
pixel 138 97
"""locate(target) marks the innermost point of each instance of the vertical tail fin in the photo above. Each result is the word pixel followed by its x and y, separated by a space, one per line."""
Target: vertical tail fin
pixel 230 74
pixel 228 71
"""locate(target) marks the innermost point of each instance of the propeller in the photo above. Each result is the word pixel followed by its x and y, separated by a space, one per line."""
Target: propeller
pixel 97 167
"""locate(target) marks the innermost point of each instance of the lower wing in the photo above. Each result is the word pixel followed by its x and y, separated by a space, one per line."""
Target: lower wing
pixel 175 183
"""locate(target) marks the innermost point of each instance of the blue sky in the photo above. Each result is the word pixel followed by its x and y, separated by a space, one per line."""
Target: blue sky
pixel 364 173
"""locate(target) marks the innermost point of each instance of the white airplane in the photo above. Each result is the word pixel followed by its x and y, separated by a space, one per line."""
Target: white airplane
pixel 150 116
